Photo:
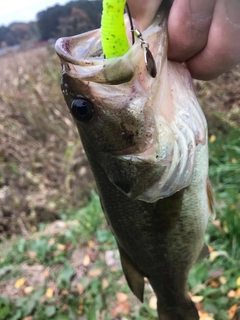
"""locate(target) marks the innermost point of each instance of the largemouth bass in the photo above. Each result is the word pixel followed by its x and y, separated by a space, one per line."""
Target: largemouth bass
pixel 146 141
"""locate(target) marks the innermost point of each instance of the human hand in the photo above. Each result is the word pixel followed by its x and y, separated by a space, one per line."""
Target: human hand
pixel 205 34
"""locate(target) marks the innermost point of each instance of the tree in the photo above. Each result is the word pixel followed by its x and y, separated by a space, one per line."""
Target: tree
pixel 72 18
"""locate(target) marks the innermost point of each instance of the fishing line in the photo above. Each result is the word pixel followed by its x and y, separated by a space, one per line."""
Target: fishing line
pixel 130 21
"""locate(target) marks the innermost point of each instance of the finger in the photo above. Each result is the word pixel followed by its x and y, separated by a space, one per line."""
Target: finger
pixel 222 51
pixel 143 12
pixel 188 26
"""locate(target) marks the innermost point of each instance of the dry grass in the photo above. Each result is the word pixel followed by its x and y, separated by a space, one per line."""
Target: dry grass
pixel 41 162
pixel 220 100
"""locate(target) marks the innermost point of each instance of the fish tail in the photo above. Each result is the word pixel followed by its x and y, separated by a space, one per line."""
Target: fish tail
pixel 185 311
pixel 173 301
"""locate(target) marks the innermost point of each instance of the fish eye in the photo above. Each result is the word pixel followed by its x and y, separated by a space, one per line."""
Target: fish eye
pixel 82 109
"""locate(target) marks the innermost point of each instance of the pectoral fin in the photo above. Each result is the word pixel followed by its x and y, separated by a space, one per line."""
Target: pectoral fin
pixel 134 278
pixel 204 253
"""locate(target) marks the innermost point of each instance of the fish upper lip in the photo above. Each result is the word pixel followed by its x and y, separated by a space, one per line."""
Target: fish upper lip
pixel 68 48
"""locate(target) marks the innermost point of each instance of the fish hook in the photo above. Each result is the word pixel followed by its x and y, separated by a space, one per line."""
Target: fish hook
pixel 148 57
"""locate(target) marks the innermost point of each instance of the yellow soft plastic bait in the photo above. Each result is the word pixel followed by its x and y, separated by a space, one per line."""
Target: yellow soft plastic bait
pixel 113 32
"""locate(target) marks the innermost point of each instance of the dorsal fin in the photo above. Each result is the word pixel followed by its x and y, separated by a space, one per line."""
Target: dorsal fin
pixel 134 278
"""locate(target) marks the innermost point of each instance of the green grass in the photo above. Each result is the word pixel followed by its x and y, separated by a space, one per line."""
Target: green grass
pixel 225 174
pixel 213 278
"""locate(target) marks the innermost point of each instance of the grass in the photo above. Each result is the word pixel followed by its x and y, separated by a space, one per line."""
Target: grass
pixel 69 269
pixel 98 290
pixel 217 279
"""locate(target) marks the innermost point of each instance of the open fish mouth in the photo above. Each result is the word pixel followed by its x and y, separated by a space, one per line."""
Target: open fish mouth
pixel 146 131
pixel 83 59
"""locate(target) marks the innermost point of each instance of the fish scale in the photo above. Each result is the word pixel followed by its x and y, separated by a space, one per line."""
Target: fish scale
pixel 146 141
pixel 163 225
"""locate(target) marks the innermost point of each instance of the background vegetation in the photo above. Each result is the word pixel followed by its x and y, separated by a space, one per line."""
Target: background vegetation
pixel 58 259
pixel 57 21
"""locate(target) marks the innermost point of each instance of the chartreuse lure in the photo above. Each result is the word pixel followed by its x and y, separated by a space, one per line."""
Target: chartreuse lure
pixel 113 32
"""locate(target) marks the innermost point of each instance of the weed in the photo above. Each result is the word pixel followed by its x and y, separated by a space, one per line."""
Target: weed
pixel 89 218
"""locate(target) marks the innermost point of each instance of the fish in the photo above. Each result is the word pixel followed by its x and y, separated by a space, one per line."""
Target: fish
pixel 146 141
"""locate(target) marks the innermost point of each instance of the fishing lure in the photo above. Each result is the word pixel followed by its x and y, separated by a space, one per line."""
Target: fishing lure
pixel 113 32
pixel 114 37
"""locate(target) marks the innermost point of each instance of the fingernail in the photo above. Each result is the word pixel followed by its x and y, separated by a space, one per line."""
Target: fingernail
pixel 233 11
pixel 201 9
